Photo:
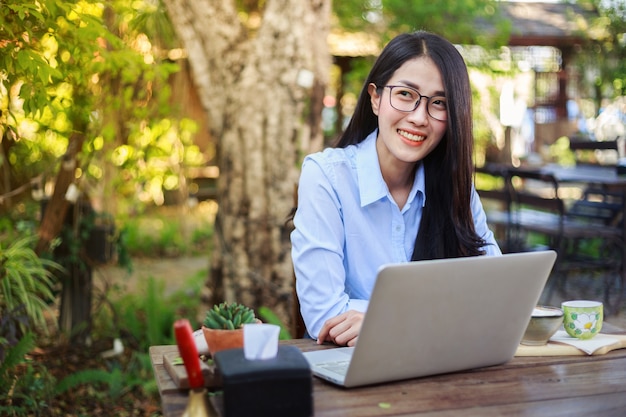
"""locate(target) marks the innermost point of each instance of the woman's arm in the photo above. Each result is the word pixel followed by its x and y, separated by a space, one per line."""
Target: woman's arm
pixel 318 249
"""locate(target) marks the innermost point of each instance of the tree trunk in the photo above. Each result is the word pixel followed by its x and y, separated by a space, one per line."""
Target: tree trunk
pixel 254 81
pixel 56 209
pixel 75 309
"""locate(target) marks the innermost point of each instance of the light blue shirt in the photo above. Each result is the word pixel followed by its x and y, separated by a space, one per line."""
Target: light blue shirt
pixel 347 226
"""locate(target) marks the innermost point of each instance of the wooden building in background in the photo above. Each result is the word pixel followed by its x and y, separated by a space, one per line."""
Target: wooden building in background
pixel 564 29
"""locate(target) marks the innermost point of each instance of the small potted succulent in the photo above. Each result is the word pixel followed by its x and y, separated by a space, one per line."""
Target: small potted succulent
pixel 223 326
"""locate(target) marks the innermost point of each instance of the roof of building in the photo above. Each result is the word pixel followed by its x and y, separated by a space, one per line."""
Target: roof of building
pixel 547 24
pixel 532 24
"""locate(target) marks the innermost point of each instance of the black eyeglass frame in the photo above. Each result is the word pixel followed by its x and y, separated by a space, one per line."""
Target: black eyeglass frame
pixel 417 103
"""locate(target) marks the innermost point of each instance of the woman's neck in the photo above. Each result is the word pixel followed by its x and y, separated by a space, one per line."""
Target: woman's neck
pixel 399 178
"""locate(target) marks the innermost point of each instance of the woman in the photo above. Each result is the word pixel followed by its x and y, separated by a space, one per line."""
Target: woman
pixel 397 187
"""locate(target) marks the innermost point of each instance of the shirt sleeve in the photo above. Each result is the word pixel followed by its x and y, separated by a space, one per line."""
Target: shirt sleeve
pixel 317 247
pixel 482 229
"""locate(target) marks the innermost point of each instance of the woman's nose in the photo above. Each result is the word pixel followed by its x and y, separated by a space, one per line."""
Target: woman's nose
pixel 420 113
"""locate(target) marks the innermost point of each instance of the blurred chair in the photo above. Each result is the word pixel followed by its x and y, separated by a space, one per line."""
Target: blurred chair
pixel 587 236
pixel 589 151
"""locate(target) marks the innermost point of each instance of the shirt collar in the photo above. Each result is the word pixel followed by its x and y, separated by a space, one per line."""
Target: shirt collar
pixel 372 186
pixel 419 185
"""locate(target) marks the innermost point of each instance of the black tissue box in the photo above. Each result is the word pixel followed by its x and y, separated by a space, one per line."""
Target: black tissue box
pixel 281 386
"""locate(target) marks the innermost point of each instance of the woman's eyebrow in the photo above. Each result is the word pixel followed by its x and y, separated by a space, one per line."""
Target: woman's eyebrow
pixel 415 86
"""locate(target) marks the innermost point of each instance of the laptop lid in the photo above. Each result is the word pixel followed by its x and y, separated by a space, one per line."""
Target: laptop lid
pixel 439 316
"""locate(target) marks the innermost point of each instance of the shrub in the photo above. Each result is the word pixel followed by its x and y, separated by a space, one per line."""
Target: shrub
pixel 25 387
pixel 25 290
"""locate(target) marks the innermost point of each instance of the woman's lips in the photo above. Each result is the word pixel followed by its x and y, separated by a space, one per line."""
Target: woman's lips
pixel 411 136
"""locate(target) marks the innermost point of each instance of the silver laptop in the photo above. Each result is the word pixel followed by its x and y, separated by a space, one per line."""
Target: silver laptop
pixel 440 316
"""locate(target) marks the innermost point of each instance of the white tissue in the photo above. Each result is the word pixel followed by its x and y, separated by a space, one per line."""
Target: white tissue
pixel 260 341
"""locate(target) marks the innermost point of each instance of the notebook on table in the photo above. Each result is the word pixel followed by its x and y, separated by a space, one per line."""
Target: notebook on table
pixel 440 316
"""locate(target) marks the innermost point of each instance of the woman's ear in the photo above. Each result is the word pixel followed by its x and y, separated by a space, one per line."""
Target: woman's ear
pixel 374 98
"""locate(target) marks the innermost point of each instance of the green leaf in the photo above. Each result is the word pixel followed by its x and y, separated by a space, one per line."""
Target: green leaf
pixel 268 316
pixel 15 355
pixel 88 376
pixel 23 60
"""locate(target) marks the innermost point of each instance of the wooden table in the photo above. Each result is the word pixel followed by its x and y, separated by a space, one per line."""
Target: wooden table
pixel 530 386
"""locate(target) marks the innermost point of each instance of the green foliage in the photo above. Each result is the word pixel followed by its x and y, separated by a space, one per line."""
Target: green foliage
pixel 152 157
pixel 46 56
pixel 160 233
pixel 457 20
pixel 143 318
pixel 158 318
pixel 15 356
pixel 202 237
pixel 148 314
pixel 90 376
pixel 91 68
pixel 25 387
pixel 25 280
pixel 31 393
pixel 228 316
pixel 115 382
pixel 149 317
pixel 268 316
pixel 139 241
pixel 142 242
pixel 561 153
pixel 607 47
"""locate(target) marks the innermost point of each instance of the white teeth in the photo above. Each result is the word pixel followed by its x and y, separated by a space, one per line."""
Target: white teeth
pixel 411 136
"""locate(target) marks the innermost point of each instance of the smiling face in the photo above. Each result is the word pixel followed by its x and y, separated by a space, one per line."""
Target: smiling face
pixel 407 137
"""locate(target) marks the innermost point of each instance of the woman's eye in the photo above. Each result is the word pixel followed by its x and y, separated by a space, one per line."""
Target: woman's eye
pixel 439 103
pixel 406 94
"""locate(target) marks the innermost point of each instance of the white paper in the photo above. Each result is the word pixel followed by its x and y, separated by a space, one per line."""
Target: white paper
pixel 588 346
pixel 198 337
pixel 260 341
pixel 72 193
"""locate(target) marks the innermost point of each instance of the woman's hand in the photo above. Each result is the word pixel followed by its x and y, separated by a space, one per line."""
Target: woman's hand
pixel 342 330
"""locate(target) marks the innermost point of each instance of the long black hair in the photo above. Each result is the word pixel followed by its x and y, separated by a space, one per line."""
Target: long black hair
pixel 447 227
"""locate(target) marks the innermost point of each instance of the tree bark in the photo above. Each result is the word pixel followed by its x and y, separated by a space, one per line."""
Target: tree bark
pixel 255 82
pixel 75 308
pixel 57 207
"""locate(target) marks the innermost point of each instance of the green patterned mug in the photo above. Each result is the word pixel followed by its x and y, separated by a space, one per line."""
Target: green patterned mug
pixel 582 319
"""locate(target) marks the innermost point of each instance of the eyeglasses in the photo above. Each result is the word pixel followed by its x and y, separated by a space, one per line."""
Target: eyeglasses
pixel 406 99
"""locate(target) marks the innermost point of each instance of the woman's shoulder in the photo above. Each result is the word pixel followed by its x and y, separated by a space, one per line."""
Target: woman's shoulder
pixel 333 156
pixel 337 165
